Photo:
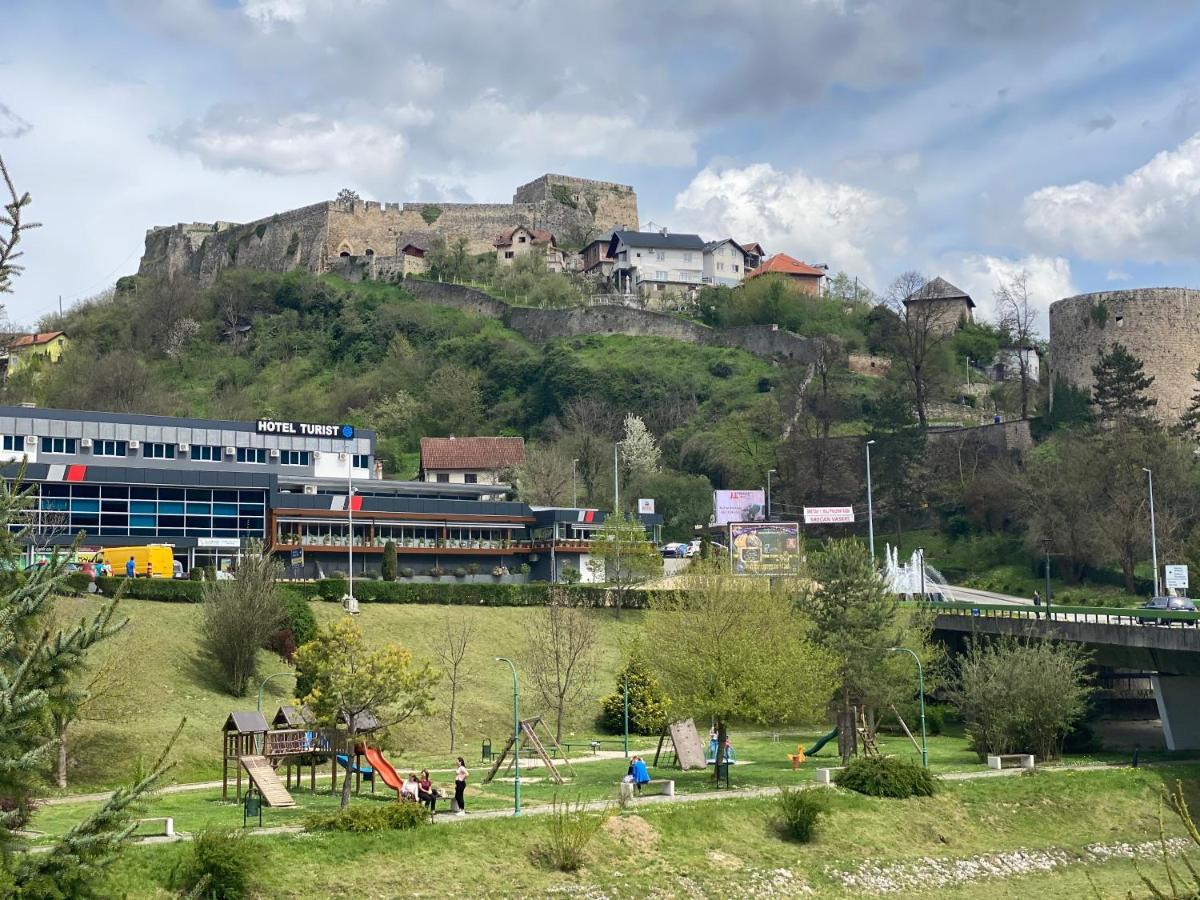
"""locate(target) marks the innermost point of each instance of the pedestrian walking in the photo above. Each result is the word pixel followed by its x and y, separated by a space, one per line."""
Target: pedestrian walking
pixel 460 787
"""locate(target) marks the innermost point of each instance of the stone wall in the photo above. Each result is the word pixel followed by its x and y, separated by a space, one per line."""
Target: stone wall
pixel 1160 326
pixel 456 296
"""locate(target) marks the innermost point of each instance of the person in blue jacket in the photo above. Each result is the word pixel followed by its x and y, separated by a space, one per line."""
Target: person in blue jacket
pixel 639 772
pixel 130 568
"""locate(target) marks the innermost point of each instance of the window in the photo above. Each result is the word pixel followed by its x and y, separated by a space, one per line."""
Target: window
pixel 256 455
pixel 687 257
pixel 720 251
pixel 720 267
pixel 60 445
pixel 735 268
pixel 443 477
pixel 206 453
pixel 14 442
pixel 508 254
pixel 660 256
pixel 159 451
pixel 471 478
pixel 521 239
pixel 660 275
pixel 110 448
pixel 293 457
pixel 362 461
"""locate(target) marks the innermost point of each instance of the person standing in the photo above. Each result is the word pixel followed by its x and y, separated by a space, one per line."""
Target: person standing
pixel 712 744
pixel 131 568
pixel 1037 604
pixel 460 787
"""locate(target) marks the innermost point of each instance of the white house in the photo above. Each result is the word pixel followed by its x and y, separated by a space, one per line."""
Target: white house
pixel 650 262
pixel 724 263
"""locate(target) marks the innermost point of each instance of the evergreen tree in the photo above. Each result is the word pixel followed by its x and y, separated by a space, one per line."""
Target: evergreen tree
pixel 387 567
pixel 1119 393
pixel 1189 422
pixel 647 707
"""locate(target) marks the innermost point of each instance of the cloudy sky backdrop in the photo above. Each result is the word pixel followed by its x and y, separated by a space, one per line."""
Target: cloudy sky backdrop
pixel 966 138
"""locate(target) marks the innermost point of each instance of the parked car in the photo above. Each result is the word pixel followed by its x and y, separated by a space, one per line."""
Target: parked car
pixel 1168 604
pixel 674 550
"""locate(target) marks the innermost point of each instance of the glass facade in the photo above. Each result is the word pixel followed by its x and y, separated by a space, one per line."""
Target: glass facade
pixel 333 534
pixel 147 511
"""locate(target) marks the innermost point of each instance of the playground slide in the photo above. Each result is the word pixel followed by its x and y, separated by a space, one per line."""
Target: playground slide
pixel 821 743
pixel 386 773
pixel 366 771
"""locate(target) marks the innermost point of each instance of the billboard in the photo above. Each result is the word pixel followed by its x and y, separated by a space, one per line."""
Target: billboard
pixel 738 506
pixel 1177 577
pixel 765 548
pixel 828 515
pixel 645 506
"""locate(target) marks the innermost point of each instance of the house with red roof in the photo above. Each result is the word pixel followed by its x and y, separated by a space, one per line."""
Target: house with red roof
pixel 19 350
pixel 806 277
pixel 522 241
pixel 755 254
pixel 470 460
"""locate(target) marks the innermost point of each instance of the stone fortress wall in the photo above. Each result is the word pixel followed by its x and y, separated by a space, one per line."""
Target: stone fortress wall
pixel 1160 326
pixel 310 237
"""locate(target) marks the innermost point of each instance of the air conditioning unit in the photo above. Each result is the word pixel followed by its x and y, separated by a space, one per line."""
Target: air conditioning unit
pixel 184 448
pixel 31 440
pixel 133 445
pixel 86 443
pixel 230 451
pixel 316 454
pixel 274 453
pixel 310 489
pixel 341 457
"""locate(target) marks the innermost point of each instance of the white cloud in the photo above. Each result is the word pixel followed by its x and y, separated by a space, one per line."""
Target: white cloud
pixel 814 220
pixel 293 144
pixel 1150 215
pixel 1048 278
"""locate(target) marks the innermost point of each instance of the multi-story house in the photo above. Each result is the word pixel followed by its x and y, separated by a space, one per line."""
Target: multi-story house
pixel 807 278
pixel 652 262
pixel 755 254
pixel 522 241
pixel 594 257
pixel 724 263
pixel 470 460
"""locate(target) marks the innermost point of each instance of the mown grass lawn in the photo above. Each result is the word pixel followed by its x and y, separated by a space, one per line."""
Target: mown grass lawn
pixel 727 848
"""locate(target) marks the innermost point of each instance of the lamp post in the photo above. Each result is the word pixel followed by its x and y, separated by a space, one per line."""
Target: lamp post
pixel 616 477
pixel 1153 536
pixel 920 698
pixel 516 736
pixel 574 488
pixel 870 507
pixel 769 473
pixel 1046 545
pixel 262 686
pixel 351 602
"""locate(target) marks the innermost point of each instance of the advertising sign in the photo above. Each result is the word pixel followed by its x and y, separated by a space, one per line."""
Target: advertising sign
pixel 1177 577
pixel 298 558
pixel 646 507
pixel 738 506
pixel 762 548
pixel 828 515
pixel 304 429
pixel 231 543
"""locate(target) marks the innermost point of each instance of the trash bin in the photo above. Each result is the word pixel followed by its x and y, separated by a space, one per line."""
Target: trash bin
pixel 486 752
pixel 722 773
pixel 251 807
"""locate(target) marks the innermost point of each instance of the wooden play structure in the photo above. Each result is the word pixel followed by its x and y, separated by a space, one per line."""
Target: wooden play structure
pixel 685 751
pixel 528 736
pixel 250 745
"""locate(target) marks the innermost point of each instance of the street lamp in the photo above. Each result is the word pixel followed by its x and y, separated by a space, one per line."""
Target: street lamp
pixel 1153 537
pixel 920 698
pixel 627 715
pixel 1046 542
pixel 351 602
pixel 769 473
pixel 516 736
pixel 870 508
pixel 574 489
pixel 262 686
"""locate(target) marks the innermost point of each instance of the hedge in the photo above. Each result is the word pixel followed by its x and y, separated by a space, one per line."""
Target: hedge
pixel 333 589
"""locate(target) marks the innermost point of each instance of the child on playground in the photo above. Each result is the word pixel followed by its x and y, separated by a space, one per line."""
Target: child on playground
pixel 426 792
pixel 460 787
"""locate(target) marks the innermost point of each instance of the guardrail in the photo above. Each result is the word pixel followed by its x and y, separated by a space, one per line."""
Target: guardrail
pixel 1094 614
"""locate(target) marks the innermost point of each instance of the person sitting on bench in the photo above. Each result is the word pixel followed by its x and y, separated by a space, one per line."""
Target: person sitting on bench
pixel 411 789
pixel 639 772
pixel 426 792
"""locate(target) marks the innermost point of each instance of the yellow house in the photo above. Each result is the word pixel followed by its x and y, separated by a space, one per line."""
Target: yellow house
pixel 24 348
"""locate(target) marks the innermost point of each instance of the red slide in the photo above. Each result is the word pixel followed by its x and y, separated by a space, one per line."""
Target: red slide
pixel 385 770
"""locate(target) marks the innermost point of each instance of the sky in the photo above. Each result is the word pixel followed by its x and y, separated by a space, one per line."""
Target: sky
pixel 972 139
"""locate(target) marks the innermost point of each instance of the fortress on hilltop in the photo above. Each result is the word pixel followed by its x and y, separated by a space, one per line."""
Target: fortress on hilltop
pixel 314 237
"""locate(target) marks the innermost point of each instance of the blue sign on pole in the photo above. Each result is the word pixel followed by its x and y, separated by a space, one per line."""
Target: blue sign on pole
pixel 298 558
pixel 974 609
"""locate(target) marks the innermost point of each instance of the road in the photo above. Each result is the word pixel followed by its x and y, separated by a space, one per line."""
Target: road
pixel 972 595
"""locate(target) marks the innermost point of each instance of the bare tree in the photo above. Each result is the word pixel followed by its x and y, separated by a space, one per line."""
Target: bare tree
pixel 12 222
pixel 559 656
pixel 544 478
pixel 451 653
pixel 923 327
pixel 1017 317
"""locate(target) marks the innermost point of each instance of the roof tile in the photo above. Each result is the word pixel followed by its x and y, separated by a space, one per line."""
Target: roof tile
pixel 483 453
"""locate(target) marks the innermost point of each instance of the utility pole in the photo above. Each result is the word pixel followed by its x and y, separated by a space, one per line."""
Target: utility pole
pixel 870 508
pixel 1153 536
pixel 574 483
pixel 351 602
pixel 616 477
pixel 769 472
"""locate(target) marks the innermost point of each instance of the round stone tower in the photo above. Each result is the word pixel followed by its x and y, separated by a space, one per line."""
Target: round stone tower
pixel 1160 326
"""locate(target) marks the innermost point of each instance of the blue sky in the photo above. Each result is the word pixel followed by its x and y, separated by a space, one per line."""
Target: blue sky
pixel 974 140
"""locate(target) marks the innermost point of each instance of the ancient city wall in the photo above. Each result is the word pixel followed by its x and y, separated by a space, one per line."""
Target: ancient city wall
pixel 1160 326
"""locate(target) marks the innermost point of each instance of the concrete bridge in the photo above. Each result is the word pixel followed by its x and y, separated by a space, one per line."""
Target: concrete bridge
pixel 1168 643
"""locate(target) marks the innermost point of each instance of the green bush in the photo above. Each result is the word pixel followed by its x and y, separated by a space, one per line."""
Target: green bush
pixel 886 776
pixel 387 566
pixel 537 593
pixel 572 828
pixel 647 706
pixel 799 812
pixel 167 590
pixel 301 621
pixel 370 817
pixel 219 864
pixel 935 719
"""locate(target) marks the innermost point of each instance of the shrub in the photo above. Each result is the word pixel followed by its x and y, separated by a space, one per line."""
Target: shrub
pixel 536 593
pixel 570 575
pixel 431 212
pixel 370 817
pixel 472 568
pixel 647 706
pixel 571 829
pixel 219 864
pixel 406 572
pixel 387 566
pixel 935 719
pixel 798 813
pixel 282 643
pixel 460 572
pixel 886 776
pixel 436 572
pixel 301 621
pixel 197 573
pixel 523 569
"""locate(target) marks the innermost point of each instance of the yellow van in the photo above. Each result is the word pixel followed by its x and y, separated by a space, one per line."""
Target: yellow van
pixel 160 558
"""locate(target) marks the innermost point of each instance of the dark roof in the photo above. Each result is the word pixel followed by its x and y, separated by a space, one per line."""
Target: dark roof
pixel 484 453
pixel 246 722
pixel 940 289
pixel 363 721
pixel 292 717
pixel 539 235
pixel 713 245
pixel 656 240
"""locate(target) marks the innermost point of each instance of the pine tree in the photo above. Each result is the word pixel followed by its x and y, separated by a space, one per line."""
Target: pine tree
pixel 647 706
pixel 1189 422
pixel 1120 389
pixel 387 567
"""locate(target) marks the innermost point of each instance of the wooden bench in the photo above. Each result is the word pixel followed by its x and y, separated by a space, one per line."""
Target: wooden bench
pixel 664 786
pixel 168 824
pixel 825 776
pixel 1024 760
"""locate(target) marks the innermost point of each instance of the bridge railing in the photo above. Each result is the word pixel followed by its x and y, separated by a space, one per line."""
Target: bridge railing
pixel 1094 614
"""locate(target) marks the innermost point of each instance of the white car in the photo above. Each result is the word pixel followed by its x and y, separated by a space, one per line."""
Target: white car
pixel 674 550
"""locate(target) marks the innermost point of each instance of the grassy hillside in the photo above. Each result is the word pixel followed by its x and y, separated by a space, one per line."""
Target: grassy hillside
pixel 163 678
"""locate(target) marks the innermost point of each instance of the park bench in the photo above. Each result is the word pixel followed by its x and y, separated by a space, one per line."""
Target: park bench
pixel 825 776
pixel 1024 760
pixel 664 786
pixel 168 824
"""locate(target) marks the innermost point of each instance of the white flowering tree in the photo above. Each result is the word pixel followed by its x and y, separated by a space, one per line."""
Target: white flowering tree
pixel 639 450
